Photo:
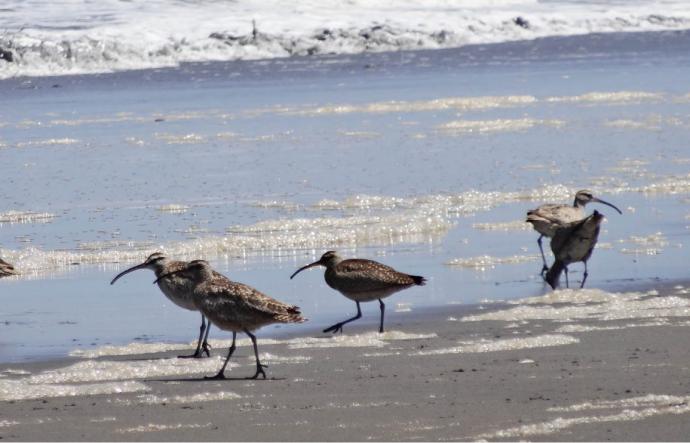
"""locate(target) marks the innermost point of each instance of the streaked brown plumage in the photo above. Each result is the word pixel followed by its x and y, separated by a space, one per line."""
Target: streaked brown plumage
pixel 235 307
pixel 572 243
pixel 362 280
pixel 6 269
pixel 548 217
pixel 178 289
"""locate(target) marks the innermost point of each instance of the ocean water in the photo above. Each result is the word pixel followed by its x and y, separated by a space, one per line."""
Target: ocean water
pixel 424 160
pixel 41 37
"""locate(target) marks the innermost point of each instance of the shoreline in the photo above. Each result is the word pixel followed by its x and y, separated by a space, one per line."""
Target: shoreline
pixel 433 376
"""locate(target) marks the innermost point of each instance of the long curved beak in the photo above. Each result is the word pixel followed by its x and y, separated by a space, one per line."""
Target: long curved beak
pixel 127 271
pixel 168 275
pixel 310 265
pixel 607 204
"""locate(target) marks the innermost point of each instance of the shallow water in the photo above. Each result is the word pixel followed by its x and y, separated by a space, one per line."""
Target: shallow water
pixel 426 161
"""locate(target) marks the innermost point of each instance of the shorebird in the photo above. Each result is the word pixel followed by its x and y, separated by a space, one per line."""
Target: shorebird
pixel 572 243
pixel 178 290
pixel 361 280
pixel 234 307
pixel 547 218
pixel 6 269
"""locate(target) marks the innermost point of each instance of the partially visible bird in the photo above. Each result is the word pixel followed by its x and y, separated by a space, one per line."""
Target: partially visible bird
pixel 361 280
pixel 573 243
pixel 6 269
pixel 178 289
pixel 548 217
pixel 234 307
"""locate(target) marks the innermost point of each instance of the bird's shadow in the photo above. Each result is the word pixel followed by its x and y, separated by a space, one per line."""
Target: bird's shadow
pixel 196 380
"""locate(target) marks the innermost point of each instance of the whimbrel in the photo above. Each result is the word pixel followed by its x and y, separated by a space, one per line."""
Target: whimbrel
pixel 6 269
pixel 572 243
pixel 234 307
pixel 362 280
pixel 178 289
pixel 546 218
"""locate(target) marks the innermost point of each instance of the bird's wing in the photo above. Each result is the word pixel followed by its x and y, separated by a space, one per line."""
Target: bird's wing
pixel 242 299
pixel 368 275
pixel 565 234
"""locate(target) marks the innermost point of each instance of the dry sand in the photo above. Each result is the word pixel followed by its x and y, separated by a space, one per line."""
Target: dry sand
pixel 433 377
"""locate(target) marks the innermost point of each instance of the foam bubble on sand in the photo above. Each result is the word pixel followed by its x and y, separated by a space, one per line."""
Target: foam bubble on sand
pixel 276 359
pixel 173 208
pixel 449 103
pixel 484 262
pixel 618 97
pixel 8 423
pixel 25 389
pixel 369 339
pixel 515 225
pixel 509 344
pixel 154 427
pixel 498 125
pixel 569 329
pixel 590 304
pixel 632 409
pixel 15 372
pixel 26 217
pixel 102 370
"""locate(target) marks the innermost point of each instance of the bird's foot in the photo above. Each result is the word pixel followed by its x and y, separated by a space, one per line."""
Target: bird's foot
pixel 218 376
pixel 259 370
pixel 338 327
pixel 544 270
pixel 206 349
pixel 197 354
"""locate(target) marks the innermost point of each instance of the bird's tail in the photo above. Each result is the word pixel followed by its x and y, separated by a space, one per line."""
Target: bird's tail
pixel 291 315
pixel 418 280
pixel 554 273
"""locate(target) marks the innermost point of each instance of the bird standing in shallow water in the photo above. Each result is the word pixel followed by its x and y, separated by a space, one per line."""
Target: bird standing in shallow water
pixel 547 218
pixel 573 243
pixel 6 269
pixel 361 280
pixel 234 307
pixel 178 289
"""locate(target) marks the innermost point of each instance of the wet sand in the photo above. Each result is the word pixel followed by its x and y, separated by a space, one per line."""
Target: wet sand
pixel 604 367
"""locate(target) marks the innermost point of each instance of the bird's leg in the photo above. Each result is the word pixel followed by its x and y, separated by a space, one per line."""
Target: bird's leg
pixel 198 353
pixel 584 277
pixel 220 375
pixel 259 366
pixel 338 327
pixel 543 257
pixel 383 309
pixel 567 285
pixel 205 347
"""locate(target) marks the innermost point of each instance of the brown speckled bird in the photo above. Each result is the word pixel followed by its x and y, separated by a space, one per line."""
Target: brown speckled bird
pixel 572 243
pixel 177 289
pixel 362 280
pixel 7 269
pixel 548 217
pixel 235 307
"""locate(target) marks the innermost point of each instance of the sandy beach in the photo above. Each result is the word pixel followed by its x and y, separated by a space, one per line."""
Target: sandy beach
pixel 572 365
pixel 419 144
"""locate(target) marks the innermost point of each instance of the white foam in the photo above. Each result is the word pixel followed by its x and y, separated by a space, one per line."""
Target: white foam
pixel 369 339
pixel 509 344
pixel 77 37
pixel 589 304
pixel 515 225
pixel 155 427
pixel 103 370
pixel 8 423
pixel 618 97
pixel 26 390
pixel 652 244
pixel 485 262
pixel 499 125
pixel 632 409
pixel 48 142
pixel 26 217
pixel 152 399
pixel 174 208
